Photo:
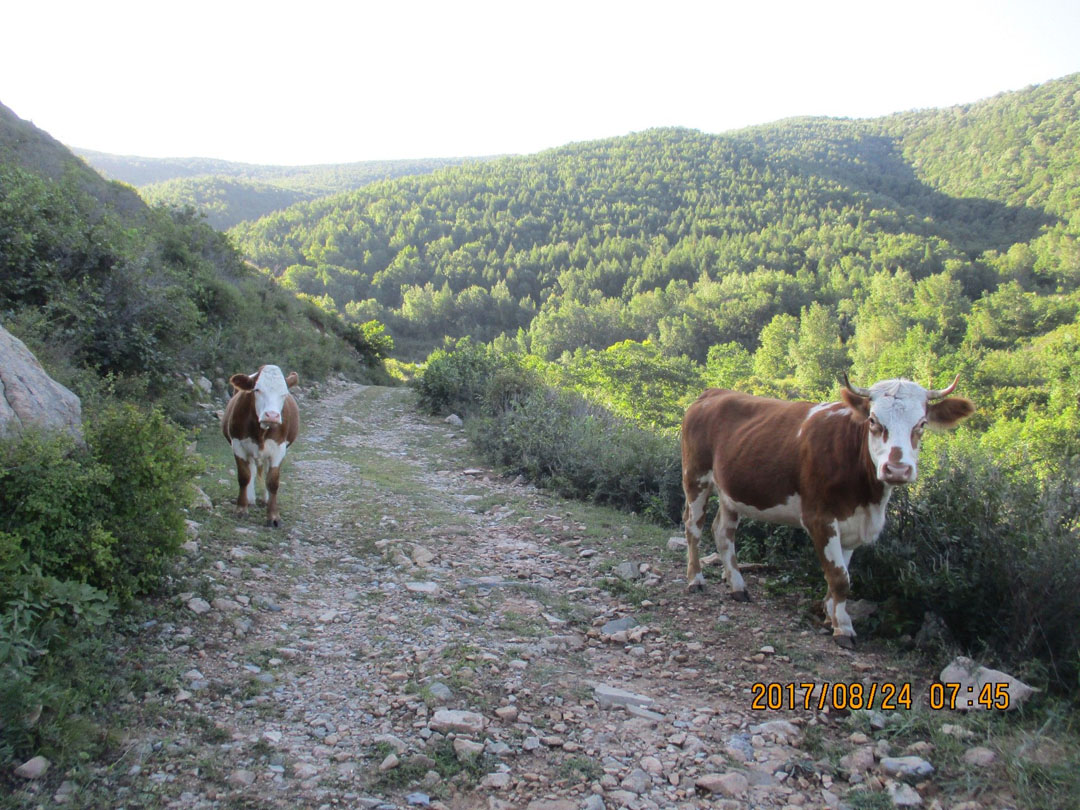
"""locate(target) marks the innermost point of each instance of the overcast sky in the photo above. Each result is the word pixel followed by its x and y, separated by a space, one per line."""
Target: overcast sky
pixel 320 82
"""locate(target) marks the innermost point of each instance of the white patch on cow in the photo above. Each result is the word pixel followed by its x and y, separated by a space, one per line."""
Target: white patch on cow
pixel 706 478
pixel 839 556
pixel 274 452
pixel 697 511
pixel 828 408
pixel 724 535
pixel 834 551
pixel 789 512
pixel 865 524
pixel 270 392
pixel 699 580
pixel 734 577
pixel 842 621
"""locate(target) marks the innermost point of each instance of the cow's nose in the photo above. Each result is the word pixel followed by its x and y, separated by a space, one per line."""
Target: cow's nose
pixel 271 418
pixel 897 473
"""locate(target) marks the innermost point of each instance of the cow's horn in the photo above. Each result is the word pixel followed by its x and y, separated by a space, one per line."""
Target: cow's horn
pixel 862 392
pixel 935 393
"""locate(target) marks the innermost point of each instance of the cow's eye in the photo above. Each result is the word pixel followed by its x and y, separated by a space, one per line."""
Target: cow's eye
pixel 875 425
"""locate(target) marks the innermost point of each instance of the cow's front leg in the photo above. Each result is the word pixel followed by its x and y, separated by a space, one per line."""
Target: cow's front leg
pixel 723 530
pixel 697 495
pixel 272 516
pixel 834 560
pixel 260 478
pixel 247 486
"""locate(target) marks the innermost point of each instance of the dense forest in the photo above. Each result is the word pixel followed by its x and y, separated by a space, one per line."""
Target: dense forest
pixel 228 193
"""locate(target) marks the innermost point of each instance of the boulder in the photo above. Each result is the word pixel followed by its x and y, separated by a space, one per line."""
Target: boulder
pixel 972 678
pixel 29 396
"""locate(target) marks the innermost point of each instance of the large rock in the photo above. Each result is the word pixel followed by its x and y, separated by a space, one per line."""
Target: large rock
pixel 972 678
pixel 29 396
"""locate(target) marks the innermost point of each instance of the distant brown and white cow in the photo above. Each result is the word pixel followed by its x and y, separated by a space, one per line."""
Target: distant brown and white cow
pixel 828 467
pixel 261 421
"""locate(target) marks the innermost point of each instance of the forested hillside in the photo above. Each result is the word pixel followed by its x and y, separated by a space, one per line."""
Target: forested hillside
pixel 228 192
pixel 694 240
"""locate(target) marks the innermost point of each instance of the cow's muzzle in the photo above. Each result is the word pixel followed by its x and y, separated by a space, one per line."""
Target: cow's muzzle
pixel 269 419
pixel 897 473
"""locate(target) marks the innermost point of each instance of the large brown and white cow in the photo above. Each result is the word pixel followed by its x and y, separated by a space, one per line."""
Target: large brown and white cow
pixel 827 467
pixel 260 422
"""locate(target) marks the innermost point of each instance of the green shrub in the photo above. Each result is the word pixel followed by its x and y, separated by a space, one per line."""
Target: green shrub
pixel 148 487
pixel 456 379
pixel 107 514
pixel 559 440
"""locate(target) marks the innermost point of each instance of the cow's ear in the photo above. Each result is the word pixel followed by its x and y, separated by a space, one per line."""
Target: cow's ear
pixel 242 382
pixel 948 412
pixel 292 380
pixel 859 405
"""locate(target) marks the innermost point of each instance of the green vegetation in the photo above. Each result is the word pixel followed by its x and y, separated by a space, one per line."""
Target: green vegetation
pixel 100 286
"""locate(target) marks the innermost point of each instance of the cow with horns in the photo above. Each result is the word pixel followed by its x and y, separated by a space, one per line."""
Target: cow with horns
pixel 827 467
pixel 260 422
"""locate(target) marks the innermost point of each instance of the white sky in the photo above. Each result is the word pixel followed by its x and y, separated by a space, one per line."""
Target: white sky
pixel 314 81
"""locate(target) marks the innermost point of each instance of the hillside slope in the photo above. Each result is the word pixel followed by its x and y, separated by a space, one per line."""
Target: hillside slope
pixel 101 286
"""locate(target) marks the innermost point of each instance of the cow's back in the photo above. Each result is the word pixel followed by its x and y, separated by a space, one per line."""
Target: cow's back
pixel 749 444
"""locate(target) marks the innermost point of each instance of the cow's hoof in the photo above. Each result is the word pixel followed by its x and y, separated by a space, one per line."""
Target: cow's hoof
pixel 696 584
pixel 274 523
pixel 846 642
pixel 740 596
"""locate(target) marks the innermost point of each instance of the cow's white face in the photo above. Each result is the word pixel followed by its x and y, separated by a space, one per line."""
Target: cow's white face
pixel 897 412
pixel 270 392
pixel 897 420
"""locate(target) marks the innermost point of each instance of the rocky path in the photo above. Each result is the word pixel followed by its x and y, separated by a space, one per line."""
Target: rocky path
pixel 424 633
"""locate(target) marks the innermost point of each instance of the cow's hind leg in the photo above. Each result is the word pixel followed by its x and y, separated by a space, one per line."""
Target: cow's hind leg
pixel 697 496
pixel 723 530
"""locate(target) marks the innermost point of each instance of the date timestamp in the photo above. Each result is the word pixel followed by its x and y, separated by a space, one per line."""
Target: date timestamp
pixel 822 695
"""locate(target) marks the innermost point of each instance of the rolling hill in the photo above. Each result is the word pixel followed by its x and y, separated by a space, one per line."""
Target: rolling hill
pixel 228 192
